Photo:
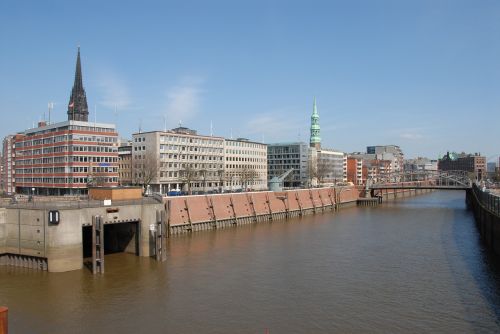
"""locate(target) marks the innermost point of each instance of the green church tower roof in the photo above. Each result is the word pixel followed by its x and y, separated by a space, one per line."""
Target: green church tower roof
pixel 315 129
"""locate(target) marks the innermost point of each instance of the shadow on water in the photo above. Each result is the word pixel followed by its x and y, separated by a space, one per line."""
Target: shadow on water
pixel 482 265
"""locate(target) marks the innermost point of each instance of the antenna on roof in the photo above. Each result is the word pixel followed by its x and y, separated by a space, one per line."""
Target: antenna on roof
pixel 211 129
pixel 140 125
pixel 231 137
pixel 164 123
pixel 51 106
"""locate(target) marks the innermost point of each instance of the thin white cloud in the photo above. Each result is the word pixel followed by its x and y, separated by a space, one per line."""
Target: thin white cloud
pixel 276 126
pixel 411 136
pixel 183 100
pixel 113 91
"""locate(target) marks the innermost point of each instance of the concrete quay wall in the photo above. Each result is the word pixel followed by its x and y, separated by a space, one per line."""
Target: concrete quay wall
pixel 202 212
pixel 486 210
pixel 28 240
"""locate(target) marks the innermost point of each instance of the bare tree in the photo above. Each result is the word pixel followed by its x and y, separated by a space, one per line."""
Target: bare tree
pixel 229 177
pixel 312 171
pixel 322 170
pixel 187 175
pixel 203 177
pixel 221 175
pixel 145 170
pixel 247 176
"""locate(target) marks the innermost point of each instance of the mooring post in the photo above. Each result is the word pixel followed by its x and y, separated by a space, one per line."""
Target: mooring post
pixel 268 202
pixel 336 204
pixel 312 201
pixel 212 210
pixel 168 205
pixel 188 215
pixel 97 245
pixel 287 205
pixel 160 236
pixel 321 200
pixel 231 204
pixel 4 320
pixel 298 202
pixel 250 199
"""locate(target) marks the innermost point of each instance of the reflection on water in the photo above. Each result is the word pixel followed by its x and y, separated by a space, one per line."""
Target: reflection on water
pixel 413 265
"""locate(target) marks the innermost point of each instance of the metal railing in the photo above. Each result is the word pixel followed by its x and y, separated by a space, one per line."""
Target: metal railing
pixel 489 201
pixel 458 179
pixel 37 203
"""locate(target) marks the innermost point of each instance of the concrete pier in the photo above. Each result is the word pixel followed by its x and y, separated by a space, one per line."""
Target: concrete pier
pixel 28 239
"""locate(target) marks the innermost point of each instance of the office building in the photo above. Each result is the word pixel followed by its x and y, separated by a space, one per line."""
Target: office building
pixel 245 165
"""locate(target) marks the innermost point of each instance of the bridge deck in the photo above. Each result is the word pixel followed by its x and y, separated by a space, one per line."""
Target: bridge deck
pixel 380 187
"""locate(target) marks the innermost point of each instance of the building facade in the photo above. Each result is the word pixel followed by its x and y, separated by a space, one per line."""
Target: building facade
pixel 331 167
pixel 8 165
pixel 64 158
pixel 389 152
pixel 245 165
pixel 472 163
pixel 282 157
pixel 125 164
pixel 420 164
pixel 355 171
pixel 178 160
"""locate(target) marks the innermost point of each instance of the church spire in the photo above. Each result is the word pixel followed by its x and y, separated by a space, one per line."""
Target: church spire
pixel 315 140
pixel 77 106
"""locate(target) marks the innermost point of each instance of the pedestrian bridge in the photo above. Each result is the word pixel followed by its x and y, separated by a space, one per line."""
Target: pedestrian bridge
pixel 450 180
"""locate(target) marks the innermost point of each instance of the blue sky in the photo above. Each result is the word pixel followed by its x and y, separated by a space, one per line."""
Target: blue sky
pixel 424 75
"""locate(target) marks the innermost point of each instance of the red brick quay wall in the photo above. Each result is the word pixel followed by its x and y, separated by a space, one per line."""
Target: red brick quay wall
pixel 202 212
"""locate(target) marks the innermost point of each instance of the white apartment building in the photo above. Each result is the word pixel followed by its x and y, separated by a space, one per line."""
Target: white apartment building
pixel 245 165
pixel 331 166
pixel 178 159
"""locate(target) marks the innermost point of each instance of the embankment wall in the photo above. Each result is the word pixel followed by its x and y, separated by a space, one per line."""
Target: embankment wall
pixel 486 209
pixel 201 212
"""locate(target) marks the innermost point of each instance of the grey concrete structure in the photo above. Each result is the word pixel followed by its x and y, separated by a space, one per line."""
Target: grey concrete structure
pixel 27 236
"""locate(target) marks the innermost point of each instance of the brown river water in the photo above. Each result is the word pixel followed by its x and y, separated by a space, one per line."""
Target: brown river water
pixel 407 266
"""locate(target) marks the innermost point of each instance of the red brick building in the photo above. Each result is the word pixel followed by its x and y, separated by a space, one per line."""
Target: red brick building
pixel 473 163
pixel 355 171
pixel 63 158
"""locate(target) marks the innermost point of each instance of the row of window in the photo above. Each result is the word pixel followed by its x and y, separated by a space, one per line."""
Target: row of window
pixel 59 180
pixel 284 156
pixel 51 160
pixel 235 166
pixel 91 128
pixel 101 149
pixel 59 149
pixel 49 170
pixel 201 141
pixel 245 144
pixel 261 160
pixel 178 148
pixel 240 152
